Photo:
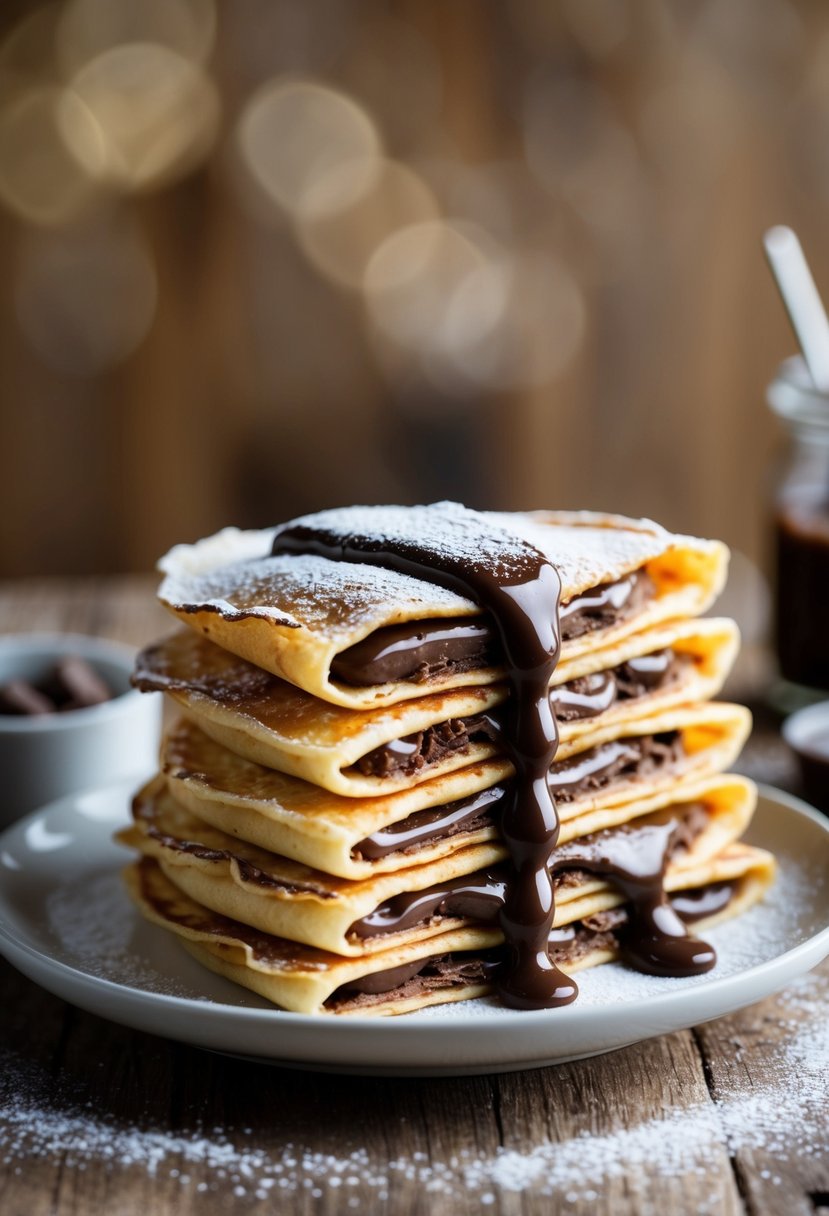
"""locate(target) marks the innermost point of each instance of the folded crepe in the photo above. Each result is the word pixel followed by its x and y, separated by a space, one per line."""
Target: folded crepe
pixel 370 752
pixel 283 898
pixel 456 965
pixel 361 636
pixel 355 838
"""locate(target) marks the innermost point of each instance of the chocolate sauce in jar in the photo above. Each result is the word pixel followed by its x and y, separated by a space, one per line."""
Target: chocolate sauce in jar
pixel 802 621
pixel 801 527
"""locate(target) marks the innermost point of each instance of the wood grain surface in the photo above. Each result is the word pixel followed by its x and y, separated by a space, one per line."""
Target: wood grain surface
pixel 95 1119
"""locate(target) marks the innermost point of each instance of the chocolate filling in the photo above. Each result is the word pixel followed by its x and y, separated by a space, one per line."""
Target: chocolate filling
pixel 620 760
pixel 247 871
pixel 589 771
pixel 632 849
pixel 585 697
pixel 419 651
pixel 416 979
pixel 703 901
pixel 588 696
pixel 602 931
pixel 423 828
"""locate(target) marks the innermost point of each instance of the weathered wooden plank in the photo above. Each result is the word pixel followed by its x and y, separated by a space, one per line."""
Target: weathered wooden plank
pixel 121 607
pixel 632 1131
pixel 768 1069
pixel 32 1026
pixel 514 1144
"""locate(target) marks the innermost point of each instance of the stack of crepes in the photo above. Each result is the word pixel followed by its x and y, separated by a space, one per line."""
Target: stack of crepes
pixel 325 826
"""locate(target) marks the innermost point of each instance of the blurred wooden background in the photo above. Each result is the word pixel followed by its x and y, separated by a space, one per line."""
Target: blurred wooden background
pixel 266 256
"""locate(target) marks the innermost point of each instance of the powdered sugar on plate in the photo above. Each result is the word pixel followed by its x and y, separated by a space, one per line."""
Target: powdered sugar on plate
pixel 94 921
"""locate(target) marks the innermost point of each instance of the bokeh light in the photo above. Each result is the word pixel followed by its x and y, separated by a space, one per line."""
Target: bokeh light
pixel 339 237
pixel 357 216
pixel 40 180
pixel 293 135
pixel 600 26
pixel 578 148
pixel 515 322
pixel 410 279
pixel 157 113
pixel 467 314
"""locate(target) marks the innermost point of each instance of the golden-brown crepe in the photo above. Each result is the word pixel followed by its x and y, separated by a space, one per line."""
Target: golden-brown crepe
pixel 286 899
pixel 264 719
pixel 301 821
pixel 307 980
pixel 293 615
pixel 326 828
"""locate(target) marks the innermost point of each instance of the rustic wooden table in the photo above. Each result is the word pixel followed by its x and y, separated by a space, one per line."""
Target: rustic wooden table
pixel 731 1117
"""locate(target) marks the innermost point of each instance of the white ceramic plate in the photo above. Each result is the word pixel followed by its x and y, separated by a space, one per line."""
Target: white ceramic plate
pixel 66 922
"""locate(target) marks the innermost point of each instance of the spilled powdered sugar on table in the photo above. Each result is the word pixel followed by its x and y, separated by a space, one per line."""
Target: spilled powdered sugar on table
pixel 44 1116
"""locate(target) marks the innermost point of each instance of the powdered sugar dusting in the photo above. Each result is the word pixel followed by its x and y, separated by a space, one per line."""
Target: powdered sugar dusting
pixel 451 532
pixel 783 1110
pixel 231 572
pixel 293 590
pixel 93 921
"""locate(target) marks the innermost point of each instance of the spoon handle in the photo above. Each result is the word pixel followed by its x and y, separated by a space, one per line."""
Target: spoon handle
pixel 802 301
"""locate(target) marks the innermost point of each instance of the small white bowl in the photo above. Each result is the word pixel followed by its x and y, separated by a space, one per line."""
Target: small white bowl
pixel 44 757
pixel 807 733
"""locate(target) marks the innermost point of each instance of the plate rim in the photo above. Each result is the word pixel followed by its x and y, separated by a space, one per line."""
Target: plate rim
pixel 205 1009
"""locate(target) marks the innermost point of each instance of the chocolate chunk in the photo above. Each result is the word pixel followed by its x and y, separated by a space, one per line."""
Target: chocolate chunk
pixel 71 684
pixel 23 699
pixel 80 682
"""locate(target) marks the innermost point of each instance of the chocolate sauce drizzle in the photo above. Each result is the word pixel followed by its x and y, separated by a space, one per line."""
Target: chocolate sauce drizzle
pixel 634 858
pixel 519 590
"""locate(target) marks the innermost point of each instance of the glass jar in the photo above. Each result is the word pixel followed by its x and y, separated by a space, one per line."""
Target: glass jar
pixel 802 529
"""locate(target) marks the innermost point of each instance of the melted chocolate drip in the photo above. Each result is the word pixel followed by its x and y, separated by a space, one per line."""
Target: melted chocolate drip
pixel 592 770
pixel 634 861
pixel 602 931
pixel 571 702
pixel 632 857
pixel 519 590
